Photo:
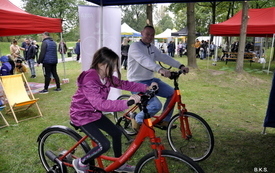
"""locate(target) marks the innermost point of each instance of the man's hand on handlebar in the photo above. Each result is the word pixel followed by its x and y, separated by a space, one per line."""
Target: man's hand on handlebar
pixel 164 72
pixel 184 70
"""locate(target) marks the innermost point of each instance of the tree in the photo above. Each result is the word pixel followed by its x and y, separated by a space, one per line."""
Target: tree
pixel 66 10
pixel 134 16
pixel 149 14
pixel 191 54
pixel 239 65
pixel 162 19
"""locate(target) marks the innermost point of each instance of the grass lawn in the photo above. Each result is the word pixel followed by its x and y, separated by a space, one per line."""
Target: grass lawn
pixel 233 104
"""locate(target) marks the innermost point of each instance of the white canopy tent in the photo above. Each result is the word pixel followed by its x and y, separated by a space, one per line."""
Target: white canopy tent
pixel 165 34
pixel 126 30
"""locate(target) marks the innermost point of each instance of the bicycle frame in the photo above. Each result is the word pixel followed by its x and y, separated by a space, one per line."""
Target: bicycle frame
pixel 146 130
pixel 176 99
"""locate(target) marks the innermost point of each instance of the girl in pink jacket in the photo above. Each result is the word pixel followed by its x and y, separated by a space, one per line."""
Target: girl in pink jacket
pixel 90 100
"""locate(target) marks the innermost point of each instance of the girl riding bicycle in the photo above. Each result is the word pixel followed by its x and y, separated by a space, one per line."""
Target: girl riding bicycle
pixel 90 100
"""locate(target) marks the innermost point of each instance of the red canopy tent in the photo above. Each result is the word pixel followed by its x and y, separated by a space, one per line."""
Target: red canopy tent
pixel 15 21
pixel 261 23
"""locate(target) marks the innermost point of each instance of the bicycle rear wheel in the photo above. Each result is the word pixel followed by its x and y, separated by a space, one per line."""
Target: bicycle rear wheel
pixel 199 144
pixel 174 162
pixel 58 140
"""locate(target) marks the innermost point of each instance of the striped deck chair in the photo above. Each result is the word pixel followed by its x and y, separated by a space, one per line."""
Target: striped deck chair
pixel 15 90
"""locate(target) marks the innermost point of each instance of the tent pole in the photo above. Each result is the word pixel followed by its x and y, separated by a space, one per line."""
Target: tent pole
pixel 271 53
pixel 62 55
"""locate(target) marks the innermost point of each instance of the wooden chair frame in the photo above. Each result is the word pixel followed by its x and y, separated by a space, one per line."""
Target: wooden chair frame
pixel 4 119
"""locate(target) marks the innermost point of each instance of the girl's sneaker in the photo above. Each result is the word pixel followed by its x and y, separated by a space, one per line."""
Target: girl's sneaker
pixel 78 168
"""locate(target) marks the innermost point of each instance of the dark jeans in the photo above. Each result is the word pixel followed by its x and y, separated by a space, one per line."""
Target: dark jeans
pixel 78 57
pixel 50 69
pixel 197 52
pixel 124 61
pixel 103 144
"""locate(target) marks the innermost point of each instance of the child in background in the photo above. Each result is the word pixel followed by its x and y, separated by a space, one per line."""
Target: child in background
pixel 90 100
pixel 6 67
pixel 19 67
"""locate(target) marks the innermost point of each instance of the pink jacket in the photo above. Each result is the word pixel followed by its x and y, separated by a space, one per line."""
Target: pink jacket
pixel 90 99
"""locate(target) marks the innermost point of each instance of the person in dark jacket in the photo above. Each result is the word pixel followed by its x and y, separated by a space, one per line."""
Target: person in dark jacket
pixel 48 57
pixel 77 49
pixel 30 57
pixel 6 66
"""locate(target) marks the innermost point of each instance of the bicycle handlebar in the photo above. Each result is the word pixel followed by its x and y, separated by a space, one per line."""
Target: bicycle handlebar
pixel 144 96
pixel 175 75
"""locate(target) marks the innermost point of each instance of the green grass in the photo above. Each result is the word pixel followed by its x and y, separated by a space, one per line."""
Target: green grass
pixel 233 104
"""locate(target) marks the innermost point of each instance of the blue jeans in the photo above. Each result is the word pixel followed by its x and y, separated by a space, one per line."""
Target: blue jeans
pixel 154 105
pixel 31 63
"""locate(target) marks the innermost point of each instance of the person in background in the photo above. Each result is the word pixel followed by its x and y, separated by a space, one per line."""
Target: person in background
pixel 90 100
pixel 19 67
pixel 180 48
pixel 6 66
pixel 225 51
pixel 124 52
pixel 11 63
pixel 30 56
pixel 141 68
pixel 174 48
pixel 77 50
pixel 14 52
pixel 212 48
pixel 197 46
pixel 62 48
pixel 48 57
pixel 170 48
pixel 23 47
pixel 36 49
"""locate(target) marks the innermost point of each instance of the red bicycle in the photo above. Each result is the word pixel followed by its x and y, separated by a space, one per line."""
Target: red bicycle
pixel 192 135
pixel 59 145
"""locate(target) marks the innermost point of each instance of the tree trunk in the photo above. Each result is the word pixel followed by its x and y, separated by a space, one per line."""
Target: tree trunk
pixel 149 13
pixel 240 58
pixel 213 7
pixel 191 52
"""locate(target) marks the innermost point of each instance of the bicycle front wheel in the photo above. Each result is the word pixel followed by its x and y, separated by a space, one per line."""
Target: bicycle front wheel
pixel 58 140
pixel 173 162
pixel 197 141
pixel 125 116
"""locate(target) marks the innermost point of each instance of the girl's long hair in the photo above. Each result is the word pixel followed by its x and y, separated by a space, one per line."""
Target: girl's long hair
pixel 109 57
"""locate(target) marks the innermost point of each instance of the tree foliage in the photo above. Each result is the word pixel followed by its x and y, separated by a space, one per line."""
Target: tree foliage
pixel 134 16
pixel 66 10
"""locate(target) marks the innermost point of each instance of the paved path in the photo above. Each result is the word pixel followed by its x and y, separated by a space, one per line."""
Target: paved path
pixel 73 58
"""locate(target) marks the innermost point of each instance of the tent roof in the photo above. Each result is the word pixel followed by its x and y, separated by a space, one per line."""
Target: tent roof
pixel 261 23
pixel 15 21
pixel 165 34
pixel 129 2
pixel 126 30
pixel 182 32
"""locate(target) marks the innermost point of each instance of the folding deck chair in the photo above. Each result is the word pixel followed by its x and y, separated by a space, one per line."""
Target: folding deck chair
pixel 4 119
pixel 14 87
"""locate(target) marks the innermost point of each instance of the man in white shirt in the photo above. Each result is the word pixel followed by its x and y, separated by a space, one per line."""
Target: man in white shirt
pixel 142 57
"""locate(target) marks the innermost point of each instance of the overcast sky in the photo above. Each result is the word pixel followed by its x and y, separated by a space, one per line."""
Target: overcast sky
pixel 18 3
